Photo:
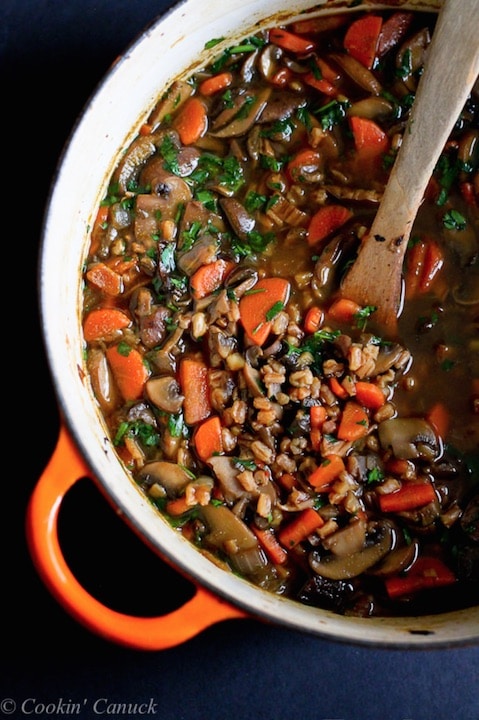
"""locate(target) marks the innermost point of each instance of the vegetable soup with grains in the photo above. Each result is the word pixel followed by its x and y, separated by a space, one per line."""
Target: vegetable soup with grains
pixel 266 417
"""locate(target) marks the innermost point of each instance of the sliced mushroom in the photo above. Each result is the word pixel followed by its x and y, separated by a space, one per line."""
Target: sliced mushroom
pixel 348 540
pixel 164 393
pixel 171 189
pixel 226 474
pixel 229 534
pixel 253 382
pixel 268 60
pixel 101 378
pixel 374 107
pixel 177 94
pixel 409 438
pixel 238 217
pixel 203 252
pixel 358 72
pixel 171 476
pixel 240 125
pixel 396 561
pixel 411 56
pixel 344 567
pixel 131 163
pixel 281 107
pixel 388 356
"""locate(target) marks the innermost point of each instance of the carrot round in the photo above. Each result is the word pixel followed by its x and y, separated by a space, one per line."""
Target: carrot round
pixel 409 497
pixel 129 370
pixel 104 324
pixel 305 523
pixel 361 39
pixel 207 438
pixel 369 395
pixel 331 466
pixel 210 277
pixel 193 377
pixel 260 305
pixel 192 121
pixel 354 422
pixel 325 221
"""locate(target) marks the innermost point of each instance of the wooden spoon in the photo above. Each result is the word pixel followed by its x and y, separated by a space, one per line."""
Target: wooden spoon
pixel 451 68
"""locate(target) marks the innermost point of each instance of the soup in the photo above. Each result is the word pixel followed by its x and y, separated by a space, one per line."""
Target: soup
pixel 268 418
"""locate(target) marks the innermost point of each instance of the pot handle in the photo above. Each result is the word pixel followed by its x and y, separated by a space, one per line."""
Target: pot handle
pixel 65 468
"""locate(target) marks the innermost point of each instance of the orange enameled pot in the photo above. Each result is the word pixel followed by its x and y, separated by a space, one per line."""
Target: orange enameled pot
pixel 169 48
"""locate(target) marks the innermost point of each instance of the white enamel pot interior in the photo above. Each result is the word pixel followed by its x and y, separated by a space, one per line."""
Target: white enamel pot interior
pixel 171 46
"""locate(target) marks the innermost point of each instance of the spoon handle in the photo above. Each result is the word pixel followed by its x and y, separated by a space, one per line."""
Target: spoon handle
pixel 451 68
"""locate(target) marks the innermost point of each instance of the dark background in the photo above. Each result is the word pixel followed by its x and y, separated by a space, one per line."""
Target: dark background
pixel 53 54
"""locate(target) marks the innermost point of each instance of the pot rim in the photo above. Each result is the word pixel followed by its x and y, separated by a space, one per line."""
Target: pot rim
pixel 75 194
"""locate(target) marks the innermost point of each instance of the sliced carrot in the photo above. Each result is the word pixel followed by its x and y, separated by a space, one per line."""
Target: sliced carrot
pixel 369 395
pixel 361 39
pixel 317 416
pixel 268 541
pixel 105 279
pixel 290 41
pixel 330 468
pixel 194 383
pixel 129 370
pixel 424 260
pixel 392 31
pixel 426 573
pixel 336 387
pixel 344 310
pixel 369 139
pixel 104 324
pixel 207 438
pixel 178 506
pixel 305 523
pixel 305 160
pixel 259 307
pixel 354 422
pixel 439 417
pixel 216 83
pixel 325 221
pixel 409 497
pixel 313 319
pixel 210 277
pixel 191 122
